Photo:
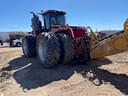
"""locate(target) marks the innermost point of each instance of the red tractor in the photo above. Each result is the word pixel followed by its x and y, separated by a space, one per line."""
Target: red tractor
pixel 56 42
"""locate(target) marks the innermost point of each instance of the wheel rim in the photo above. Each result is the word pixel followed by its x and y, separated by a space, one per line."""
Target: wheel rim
pixel 18 44
pixel 25 47
pixel 42 52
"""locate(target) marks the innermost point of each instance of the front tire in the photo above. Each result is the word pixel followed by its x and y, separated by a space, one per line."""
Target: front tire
pixel 29 46
pixel 67 47
pixel 48 50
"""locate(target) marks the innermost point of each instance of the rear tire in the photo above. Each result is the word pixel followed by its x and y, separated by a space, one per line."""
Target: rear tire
pixel 1 42
pixel 29 46
pixel 67 47
pixel 48 49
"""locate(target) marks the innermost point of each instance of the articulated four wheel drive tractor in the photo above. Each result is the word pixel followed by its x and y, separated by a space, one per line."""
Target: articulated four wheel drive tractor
pixel 56 42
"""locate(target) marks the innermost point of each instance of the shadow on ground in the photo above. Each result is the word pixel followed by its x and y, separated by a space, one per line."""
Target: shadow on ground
pixel 30 74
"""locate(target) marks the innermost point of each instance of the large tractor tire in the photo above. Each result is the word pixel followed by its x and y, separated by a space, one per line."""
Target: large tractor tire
pixel 67 47
pixel 1 42
pixel 29 46
pixel 48 50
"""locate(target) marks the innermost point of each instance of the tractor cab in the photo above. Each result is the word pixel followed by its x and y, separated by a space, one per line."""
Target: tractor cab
pixel 53 18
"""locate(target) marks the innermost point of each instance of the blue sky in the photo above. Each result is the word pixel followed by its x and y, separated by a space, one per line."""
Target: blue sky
pixel 99 14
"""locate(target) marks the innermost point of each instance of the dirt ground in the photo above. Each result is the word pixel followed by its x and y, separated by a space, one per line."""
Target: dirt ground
pixel 26 77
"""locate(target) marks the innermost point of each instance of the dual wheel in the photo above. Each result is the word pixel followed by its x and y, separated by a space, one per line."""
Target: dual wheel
pixel 51 49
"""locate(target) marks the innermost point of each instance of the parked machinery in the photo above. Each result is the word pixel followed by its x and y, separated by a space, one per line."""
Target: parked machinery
pixel 15 38
pixel 59 43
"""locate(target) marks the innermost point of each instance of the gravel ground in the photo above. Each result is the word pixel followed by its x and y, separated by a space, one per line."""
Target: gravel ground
pixel 26 77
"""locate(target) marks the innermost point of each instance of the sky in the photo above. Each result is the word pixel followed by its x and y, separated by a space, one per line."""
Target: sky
pixel 98 14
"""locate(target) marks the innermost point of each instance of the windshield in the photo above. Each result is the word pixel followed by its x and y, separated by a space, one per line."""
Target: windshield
pixel 54 19
pixel 57 19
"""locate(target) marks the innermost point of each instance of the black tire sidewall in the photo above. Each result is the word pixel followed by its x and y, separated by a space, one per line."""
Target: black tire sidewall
pixel 52 54
pixel 31 45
